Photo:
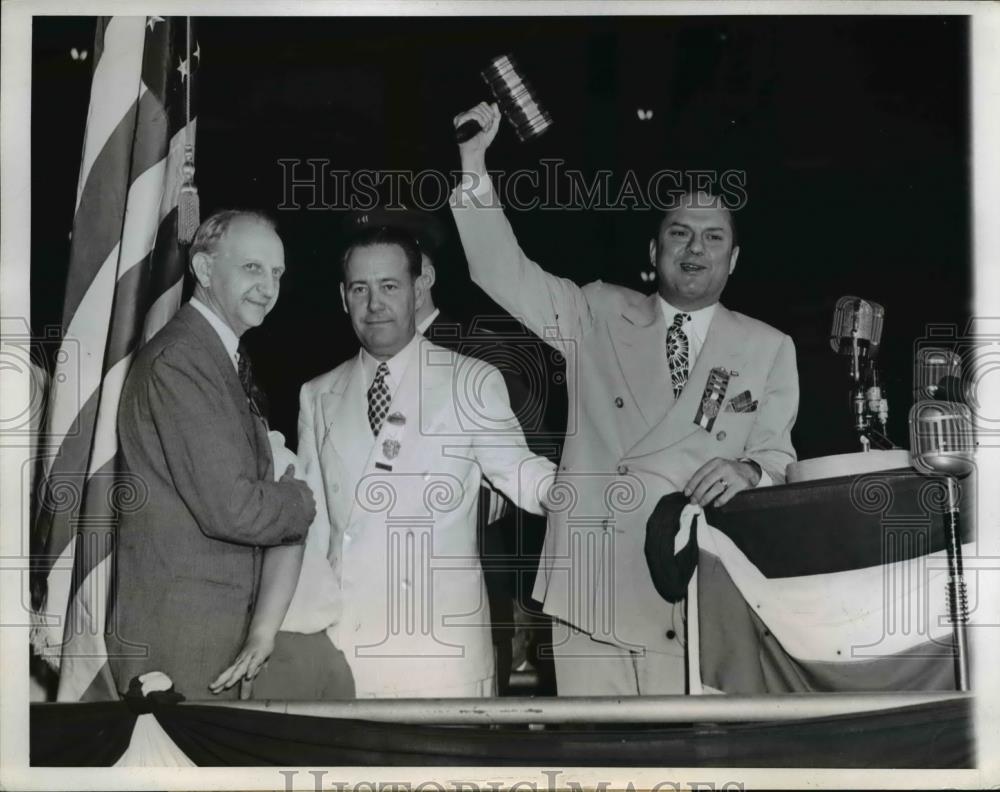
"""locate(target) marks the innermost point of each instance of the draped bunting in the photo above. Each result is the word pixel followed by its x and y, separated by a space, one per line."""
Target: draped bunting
pixel 934 735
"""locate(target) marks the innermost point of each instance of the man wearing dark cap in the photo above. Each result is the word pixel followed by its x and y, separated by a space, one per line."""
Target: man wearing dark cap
pixel 401 449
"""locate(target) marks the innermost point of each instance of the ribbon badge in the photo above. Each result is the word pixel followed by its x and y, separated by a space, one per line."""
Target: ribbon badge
pixel 392 430
pixel 712 397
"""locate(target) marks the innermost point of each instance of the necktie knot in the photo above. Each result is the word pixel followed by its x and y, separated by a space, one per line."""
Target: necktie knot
pixel 680 319
pixel 378 399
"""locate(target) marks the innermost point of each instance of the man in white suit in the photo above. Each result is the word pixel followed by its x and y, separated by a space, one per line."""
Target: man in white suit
pixel 667 392
pixel 401 436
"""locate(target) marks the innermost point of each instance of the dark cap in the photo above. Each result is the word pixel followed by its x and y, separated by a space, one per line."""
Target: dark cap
pixel 423 226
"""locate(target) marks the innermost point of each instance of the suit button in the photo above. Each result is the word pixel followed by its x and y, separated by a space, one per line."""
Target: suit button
pixel 720 436
pixel 671 635
pixel 619 402
pixel 622 470
pixel 335 488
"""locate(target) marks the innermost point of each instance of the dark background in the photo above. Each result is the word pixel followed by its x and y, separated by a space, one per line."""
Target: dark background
pixel 853 134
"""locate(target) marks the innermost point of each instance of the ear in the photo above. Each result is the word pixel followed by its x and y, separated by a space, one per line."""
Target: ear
pixel 201 265
pixel 652 253
pixel 420 287
pixel 732 259
pixel 428 274
pixel 343 298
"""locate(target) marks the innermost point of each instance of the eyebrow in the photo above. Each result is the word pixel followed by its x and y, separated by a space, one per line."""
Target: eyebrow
pixel 691 228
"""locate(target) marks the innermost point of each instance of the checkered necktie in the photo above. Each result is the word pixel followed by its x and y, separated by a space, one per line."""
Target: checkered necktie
pixel 677 353
pixel 256 398
pixel 378 399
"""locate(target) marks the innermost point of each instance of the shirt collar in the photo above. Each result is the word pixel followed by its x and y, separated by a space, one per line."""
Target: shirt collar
pixel 700 319
pixel 229 339
pixel 428 321
pixel 398 363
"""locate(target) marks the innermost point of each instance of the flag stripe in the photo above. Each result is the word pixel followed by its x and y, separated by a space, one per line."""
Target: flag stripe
pixel 161 311
pixel 82 655
pixel 844 615
pixel 739 654
pixel 113 91
pixel 78 373
pixel 61 493
pixel 106 436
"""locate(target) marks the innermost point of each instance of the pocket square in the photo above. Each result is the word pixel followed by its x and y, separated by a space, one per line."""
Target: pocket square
pixel 741 403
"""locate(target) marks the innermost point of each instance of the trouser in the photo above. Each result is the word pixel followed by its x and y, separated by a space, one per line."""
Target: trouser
pixel 304 668
pixel 585 667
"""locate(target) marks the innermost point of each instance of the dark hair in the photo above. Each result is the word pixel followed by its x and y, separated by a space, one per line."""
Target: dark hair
pixel 689 194
pixel 384 235
pixel 216 226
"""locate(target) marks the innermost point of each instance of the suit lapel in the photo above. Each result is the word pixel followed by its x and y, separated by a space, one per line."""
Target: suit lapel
pixel 640 342
pixel 724 347
pixel 198 326
pixel 346 431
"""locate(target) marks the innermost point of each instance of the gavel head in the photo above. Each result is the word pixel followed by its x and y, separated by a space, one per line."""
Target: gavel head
pixel 515 98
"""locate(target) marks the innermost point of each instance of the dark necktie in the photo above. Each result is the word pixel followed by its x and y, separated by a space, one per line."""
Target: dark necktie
pixel 378 399
pixel 256 398
pixel 677 353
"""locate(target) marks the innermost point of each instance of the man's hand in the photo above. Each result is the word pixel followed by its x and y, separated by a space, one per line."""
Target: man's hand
pixel 304 491
pixel 473 150
pixel 247 664
pixel 719 480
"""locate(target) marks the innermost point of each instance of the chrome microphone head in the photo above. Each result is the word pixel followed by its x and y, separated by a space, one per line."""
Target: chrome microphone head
pixel 851 316
pixel 933 366
pixel 942 438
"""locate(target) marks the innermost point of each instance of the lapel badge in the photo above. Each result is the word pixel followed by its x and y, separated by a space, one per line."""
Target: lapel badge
pixel 711 399
pixel 390 448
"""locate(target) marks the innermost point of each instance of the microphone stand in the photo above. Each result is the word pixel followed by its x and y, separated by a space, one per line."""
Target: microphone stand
pixel 958 605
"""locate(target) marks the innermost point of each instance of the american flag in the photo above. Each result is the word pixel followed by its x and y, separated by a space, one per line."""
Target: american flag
pixel 125 279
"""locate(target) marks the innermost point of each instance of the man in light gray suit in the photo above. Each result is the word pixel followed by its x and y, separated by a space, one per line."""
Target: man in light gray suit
pixel 670 392
pixel 189 562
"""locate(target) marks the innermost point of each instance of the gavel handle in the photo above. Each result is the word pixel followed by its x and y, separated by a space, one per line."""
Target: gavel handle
pixel 468 130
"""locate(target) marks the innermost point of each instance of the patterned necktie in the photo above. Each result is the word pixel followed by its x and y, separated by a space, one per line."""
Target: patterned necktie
pixel 256 398
pixel 677 353
pixel 378 399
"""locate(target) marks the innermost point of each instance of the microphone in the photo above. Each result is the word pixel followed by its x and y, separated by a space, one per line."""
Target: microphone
pixel 935 365
pixel 516 99
pixel 853 318
pixel 942 438
pixel 951 389
pixel 942 443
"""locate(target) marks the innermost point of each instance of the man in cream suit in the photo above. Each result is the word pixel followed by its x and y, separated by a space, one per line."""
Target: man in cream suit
pixel 401 436
pixel 667 392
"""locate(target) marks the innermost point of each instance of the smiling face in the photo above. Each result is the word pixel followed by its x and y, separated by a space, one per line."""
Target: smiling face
pixel 381 297
pixel 693 253
pixel 239 281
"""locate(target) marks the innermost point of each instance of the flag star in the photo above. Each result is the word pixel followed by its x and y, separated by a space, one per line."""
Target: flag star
pixel 151 22
pixel 182 67
pixel 197 51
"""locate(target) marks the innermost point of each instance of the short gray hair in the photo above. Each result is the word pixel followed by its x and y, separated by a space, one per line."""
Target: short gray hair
pixel 215 227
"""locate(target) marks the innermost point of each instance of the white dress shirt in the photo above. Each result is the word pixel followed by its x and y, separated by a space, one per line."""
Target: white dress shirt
pixel 397 364
pixel 696 328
